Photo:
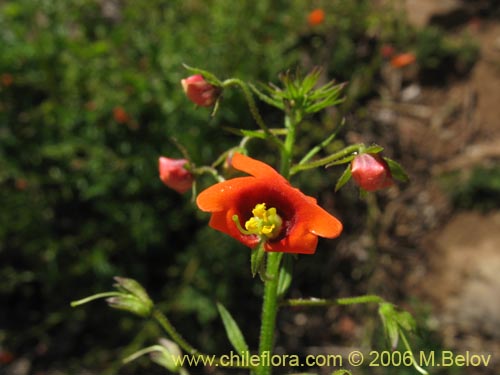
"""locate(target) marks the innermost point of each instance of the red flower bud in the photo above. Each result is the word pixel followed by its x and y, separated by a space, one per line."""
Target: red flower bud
pixel 371 172
pixel 174 175
pixel 199 91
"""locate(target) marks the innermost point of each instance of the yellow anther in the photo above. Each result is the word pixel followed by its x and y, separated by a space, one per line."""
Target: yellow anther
pixel 265 223
pixel 260 211
pixel 252 224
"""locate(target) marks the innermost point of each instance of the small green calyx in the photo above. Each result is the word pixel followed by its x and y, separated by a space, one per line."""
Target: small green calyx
pixel 265 223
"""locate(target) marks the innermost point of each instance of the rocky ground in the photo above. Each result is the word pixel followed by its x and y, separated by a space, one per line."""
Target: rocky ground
pixel 460 128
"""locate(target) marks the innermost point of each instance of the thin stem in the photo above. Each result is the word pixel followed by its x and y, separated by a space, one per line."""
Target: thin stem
pixel 328 159
pixel 94 297
pixel 211 171
pixel 269 309
pixel 315 302
pixel 408 348
pixel 163 321
pixel 149 349
pixel 287 150
pixel 322 145
pixel 253 108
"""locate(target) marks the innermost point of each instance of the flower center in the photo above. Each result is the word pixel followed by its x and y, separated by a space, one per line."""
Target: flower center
pixel 265 223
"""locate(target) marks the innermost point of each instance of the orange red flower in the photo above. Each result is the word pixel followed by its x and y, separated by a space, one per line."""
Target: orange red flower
pixel 316 17
pixel 403 59
pixel 265 207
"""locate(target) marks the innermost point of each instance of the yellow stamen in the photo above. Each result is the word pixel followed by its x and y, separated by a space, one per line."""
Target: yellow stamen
pixel 265 223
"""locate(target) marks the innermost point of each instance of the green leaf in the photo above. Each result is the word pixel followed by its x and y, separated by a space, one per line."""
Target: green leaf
pixel 253 134
pixel 285 275
pixel 232 330
pixel 265 98
pixel 342 372
pixel 344 178
pixel 397 170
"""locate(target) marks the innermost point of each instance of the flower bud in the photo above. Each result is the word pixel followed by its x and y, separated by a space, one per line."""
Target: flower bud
pixel 371 172
pixel 134 288
pixel 130 303
pixel 167 356
pixel 199 91
pixel 174 174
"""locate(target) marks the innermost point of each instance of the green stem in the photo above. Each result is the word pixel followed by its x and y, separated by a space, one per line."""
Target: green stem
pixel 211 171
pixel 269 309
pixel 94 297
pixel 287 150
pixel 314 302
pixel 328 159
pixel 163 321
pixel 253 108
pixel 408 348
pixel 322 145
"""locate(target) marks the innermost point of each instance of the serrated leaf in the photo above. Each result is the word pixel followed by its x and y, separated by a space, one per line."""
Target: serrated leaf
pixel 285 275
pixel 233 332
pixel 344 178
pixel 397 170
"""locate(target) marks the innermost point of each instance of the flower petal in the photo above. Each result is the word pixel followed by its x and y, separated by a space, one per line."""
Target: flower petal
pixel 322 224
pixel 223 195
pixel 255 168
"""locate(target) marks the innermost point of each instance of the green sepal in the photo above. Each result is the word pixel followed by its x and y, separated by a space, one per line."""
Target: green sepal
pixel 285 275
pixel 257 259
pixel 133 287
pixel 343 178
pixel 387 312
pixel 347 159
pixel 373 149
pixel 233 332
pixel 130 303
pixel 397 170
pixel 394 320
pixel 165 356
pixel 209 77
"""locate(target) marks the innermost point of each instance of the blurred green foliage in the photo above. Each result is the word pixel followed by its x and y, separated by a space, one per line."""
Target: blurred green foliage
pixel 89 98
pixel 478 189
